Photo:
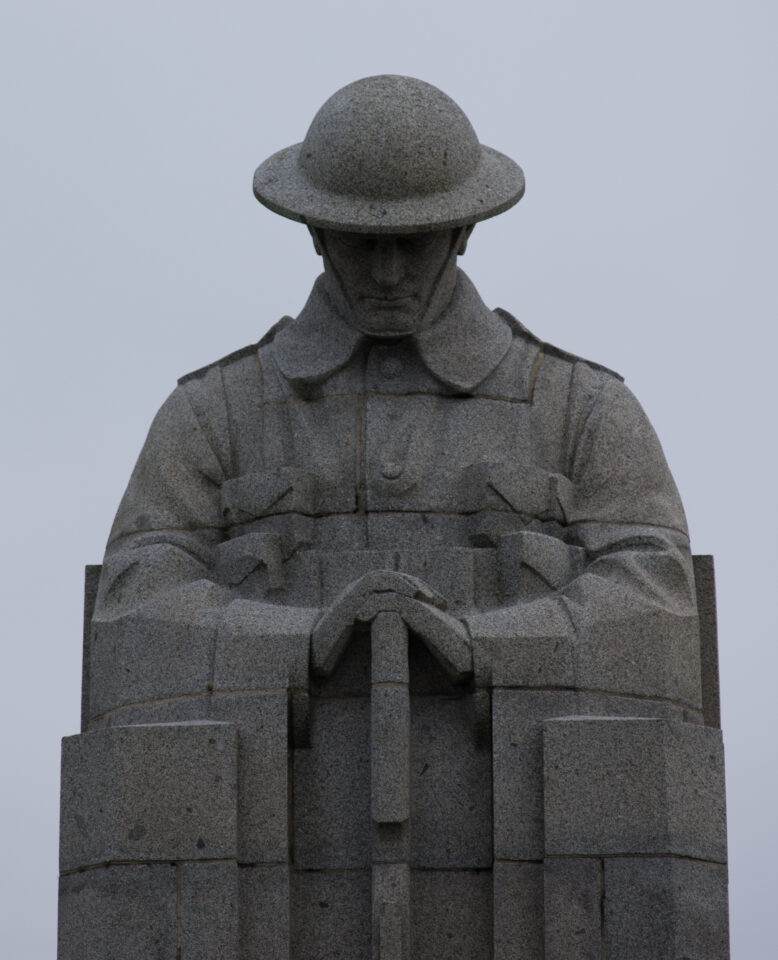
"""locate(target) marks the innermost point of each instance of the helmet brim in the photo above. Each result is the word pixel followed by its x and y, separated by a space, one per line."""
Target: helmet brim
pixel 281 185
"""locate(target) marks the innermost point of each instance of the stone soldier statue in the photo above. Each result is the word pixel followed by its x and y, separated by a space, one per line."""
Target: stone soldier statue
pixel 395 650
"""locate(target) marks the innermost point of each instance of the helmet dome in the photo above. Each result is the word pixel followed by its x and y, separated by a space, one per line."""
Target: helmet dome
pixel 389 154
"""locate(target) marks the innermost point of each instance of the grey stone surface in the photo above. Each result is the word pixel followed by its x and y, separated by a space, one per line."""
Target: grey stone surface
pixel 518 911
pixel 91 580
pixel 142 660
pixel 664 909
pixel 264 913
pixel 118 912
pixel 398 454
pixel 390 729
pixel 390 721
pixel 389 650
pixel 645 653
pixel 705 583
pixel 209 911
pixel 389 154
pixel 451 795
pixel 156 792
pixel 262 647
pixel 263 775
pixel 331 915
pixel 517 758
pixel 182 710
pixel 391 909
pixel 620 786
pixel 332 822
pixel 572 894
pixel 451 914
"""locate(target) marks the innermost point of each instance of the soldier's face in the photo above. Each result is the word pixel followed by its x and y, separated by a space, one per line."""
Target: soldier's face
pixel 392 285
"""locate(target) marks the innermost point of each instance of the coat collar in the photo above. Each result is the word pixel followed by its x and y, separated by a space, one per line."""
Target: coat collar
pixel 460 349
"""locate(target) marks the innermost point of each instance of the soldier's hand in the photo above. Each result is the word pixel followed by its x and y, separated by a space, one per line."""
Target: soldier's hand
pixel 418 604
pixel 444 636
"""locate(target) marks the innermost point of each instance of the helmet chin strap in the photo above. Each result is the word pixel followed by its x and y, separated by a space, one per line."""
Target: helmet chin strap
pixel 437 301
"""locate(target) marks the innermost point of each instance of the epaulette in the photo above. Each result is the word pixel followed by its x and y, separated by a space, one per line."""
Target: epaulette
pixel 549 349
pixel 237 354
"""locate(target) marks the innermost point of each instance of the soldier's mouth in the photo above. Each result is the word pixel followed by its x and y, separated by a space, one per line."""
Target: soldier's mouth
pixel 389 301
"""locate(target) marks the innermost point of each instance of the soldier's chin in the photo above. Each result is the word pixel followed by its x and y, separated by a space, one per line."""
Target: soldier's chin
pixel 388 324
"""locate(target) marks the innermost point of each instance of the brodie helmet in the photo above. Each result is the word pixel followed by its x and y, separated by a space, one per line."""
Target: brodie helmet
pixel 389 154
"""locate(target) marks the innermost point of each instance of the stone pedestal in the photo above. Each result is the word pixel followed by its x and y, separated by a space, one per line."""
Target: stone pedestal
pixel 389 809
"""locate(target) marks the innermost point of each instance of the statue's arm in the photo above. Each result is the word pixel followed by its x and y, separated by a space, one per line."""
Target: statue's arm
pixel 159 562
pixel 629 559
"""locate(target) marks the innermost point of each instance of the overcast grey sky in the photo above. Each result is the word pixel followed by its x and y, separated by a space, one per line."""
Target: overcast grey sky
pixel 133 252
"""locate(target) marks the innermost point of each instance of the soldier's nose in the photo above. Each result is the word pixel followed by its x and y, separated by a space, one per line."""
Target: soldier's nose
pixel 386 263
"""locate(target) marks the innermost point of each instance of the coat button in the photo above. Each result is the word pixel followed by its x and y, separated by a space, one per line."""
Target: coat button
pixel 391 367
pixel 391 470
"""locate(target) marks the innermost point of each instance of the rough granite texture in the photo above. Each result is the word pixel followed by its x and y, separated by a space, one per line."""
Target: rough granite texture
pixel 705 580
pixel 149 792
pixel 209 911
pixel 124 913
pixel 663 909
pixel 633 786
pixel 389 154
pixel 264 912
pixel 572 894
pixel 395 651
pixel 518 911
pixel 517 758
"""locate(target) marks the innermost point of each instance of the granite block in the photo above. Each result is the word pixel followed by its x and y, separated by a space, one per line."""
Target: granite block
pixel 263 773
pixel 331 915
pixel 517 747
pixel 451 914
pixel 264 912
pixel 665 909
pixel 571 908
pixel 705 585
pixel 263 646
pixel 139 659
pixel 332 823
pixel 534 662
pixel 518 911
pixel 517 769
pixel 150 792
pixel 628 785
pixel 647 655
pixel 652 653
pixel 118 912
pixel 451 786
pixel 91 580
pixel 209 911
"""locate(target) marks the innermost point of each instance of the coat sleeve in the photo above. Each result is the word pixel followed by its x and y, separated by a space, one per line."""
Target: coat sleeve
pixel 157 574
pixel 618 608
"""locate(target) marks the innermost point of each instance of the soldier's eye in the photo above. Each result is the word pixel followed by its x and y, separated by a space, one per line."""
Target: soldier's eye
pixel 415 241
pixel 357 241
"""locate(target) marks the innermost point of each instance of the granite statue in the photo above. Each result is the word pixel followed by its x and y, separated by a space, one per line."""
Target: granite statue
pixel 395 649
